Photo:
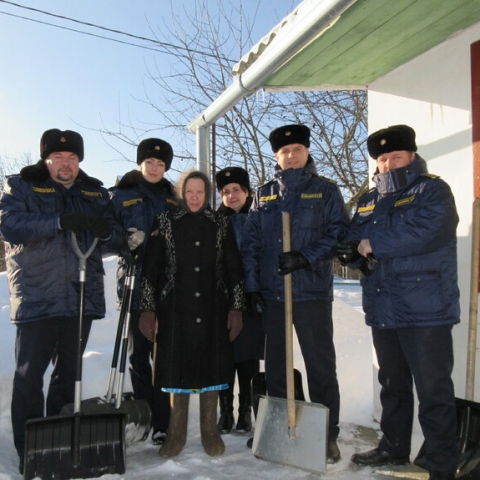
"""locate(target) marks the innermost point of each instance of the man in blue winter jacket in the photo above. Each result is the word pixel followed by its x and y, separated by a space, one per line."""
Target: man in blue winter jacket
pixel 403 238
pixel 39 209
pixel 318 222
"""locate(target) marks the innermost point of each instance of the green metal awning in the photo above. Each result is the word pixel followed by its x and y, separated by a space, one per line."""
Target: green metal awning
pixel 370 39
pixel 341 44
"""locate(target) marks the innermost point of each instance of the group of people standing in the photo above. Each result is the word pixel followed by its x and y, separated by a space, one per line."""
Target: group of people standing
pixel 208 303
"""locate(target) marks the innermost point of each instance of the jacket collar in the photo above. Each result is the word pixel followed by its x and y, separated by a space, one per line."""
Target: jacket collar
pixel 131 179
pixel 39 173
pixel 134 178
pixel 227 211
pixel 400 178
pixel 206 212
pixel 291 178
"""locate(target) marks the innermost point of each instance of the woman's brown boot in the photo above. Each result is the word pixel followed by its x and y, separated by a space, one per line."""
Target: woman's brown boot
pixel 177 427
pixel 211 440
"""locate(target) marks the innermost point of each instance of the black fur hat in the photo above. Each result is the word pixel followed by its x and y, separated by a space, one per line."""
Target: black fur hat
pixel 155 148
pixel 232 175
pixel 289 134
pixel 391 139
pixel 55 140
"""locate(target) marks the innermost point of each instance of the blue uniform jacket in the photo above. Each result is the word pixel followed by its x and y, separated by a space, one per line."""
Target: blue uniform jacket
pixel 410 219
pixel 319 222
pixel 42 268
pixel 136 206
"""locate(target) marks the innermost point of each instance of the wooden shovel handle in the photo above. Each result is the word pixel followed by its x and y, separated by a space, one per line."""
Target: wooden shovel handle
pixel 473 312
pixel 289 331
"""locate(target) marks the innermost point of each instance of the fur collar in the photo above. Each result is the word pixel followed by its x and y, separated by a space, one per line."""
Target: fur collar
pixel 39 173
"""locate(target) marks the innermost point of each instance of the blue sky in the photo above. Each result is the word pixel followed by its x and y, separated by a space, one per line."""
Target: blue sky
pixel 56 78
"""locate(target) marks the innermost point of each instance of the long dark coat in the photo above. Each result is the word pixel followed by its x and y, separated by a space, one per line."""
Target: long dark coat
pixel 250 343
pixel 192 275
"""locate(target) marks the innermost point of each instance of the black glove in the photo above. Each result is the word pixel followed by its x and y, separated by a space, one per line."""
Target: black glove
pixel 369 266
pixel 291 261
pixel 255 304
pixel 99 227
pixel 75 221
pixel 347 252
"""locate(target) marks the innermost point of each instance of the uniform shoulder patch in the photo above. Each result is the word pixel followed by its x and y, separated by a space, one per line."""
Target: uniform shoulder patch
pixel 86 193
pixel 43 190
pixel 267 183
pixel 327 179
pixel 429 175
pixel 268 198
pixel 132 201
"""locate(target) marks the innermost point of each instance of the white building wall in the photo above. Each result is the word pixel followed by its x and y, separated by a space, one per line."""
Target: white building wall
pixel 432 93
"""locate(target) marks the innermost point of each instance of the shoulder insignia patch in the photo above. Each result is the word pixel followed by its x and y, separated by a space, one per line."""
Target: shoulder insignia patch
pixel 43 190
pixel 327 179
pixel 268 198
pixel 172 201
pixel 311 195
pixel 367 208
pixel 267 183
pixel 429 175
pixel 404 201
pixel 92 194
pixel 133 201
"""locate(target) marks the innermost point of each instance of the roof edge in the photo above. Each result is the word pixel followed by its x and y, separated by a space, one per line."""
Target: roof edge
pixel 282 48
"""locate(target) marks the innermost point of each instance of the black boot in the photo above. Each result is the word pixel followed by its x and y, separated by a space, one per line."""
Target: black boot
pixel 225 422
pixel 244 421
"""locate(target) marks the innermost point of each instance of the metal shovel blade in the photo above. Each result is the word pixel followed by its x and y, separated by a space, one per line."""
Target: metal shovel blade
pixel 272 442
pixel 75 446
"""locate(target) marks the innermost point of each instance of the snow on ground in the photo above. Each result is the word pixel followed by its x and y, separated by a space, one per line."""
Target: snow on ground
pixel 355 373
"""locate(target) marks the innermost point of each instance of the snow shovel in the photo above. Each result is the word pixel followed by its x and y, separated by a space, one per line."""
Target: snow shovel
pixel 288 431
pixel 79 445
pixel 468 441
pixel 138 414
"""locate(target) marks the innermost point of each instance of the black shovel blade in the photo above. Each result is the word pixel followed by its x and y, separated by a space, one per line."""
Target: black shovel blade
pixel 138 414
pixel 75 446
pixel 468 441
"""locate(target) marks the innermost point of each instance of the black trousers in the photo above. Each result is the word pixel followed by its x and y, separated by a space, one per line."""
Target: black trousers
pixel 314 327
pixel 423 355
pixel 37 344
pixel 140 351
pixel 245 371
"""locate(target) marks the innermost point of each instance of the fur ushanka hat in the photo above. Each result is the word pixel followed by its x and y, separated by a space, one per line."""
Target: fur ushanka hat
pixel 155 148
pixel 55 140
pixel 391 139
pixel 289 134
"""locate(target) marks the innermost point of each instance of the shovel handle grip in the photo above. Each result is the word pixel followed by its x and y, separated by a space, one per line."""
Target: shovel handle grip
pixel 82 268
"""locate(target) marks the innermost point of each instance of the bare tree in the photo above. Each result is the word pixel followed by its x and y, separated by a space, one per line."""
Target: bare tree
pixel 204 46
pixel 9 166
pixel 339 132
